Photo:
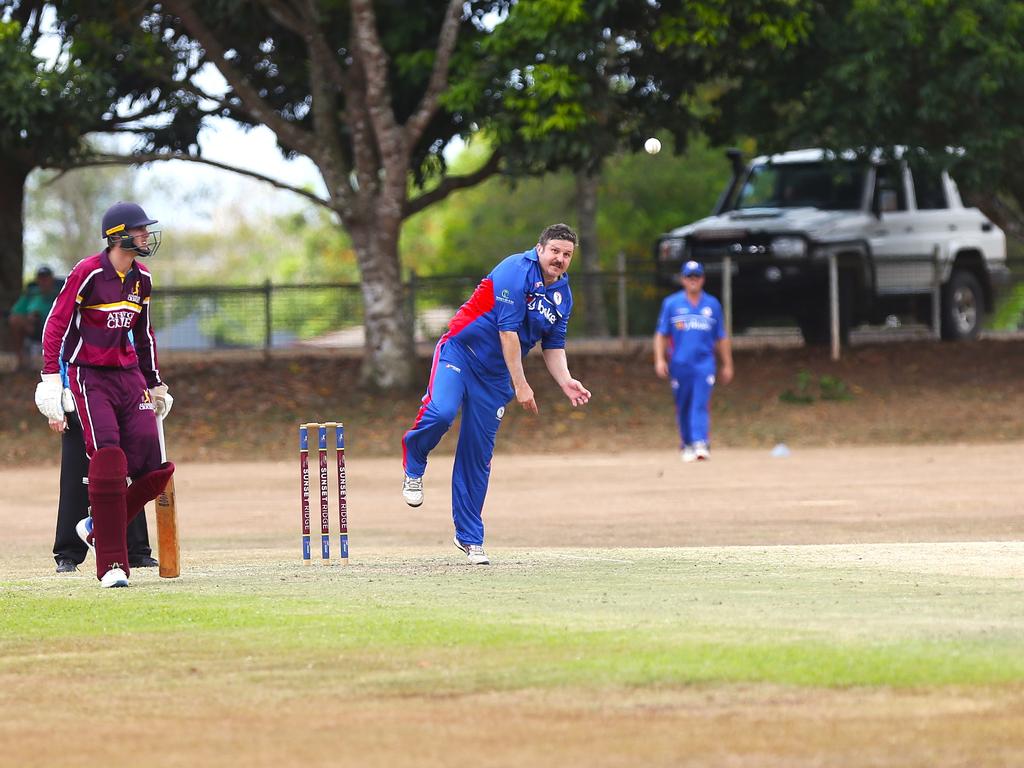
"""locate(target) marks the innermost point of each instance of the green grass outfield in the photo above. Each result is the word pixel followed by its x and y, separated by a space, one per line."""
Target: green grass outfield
pixel 404 622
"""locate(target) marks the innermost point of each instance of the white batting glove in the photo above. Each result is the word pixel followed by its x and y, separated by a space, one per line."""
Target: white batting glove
pixel 67 400
pixel 162 400
pixel 48 397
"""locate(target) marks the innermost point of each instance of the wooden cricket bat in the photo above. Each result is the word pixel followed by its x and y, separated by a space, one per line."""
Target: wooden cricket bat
pixel 167 532
pixel 167 521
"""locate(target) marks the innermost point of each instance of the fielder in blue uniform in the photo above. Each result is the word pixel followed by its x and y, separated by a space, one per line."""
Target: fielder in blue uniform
pixel 478 367
pixel 691 327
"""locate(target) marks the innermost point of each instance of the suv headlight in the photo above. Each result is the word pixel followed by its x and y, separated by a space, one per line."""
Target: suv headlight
pixel 789 247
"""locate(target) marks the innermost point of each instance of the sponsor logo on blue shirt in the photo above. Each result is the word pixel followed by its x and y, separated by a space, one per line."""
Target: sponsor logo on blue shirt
pixel 542 308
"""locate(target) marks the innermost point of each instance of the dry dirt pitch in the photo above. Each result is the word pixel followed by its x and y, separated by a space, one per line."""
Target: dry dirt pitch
pixel 869 500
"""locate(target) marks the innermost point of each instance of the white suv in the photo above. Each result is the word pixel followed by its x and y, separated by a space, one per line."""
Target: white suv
pixel 897 231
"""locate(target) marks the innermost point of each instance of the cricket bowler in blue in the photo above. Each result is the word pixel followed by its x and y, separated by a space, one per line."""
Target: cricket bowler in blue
pixel 691 326
pixel 478 367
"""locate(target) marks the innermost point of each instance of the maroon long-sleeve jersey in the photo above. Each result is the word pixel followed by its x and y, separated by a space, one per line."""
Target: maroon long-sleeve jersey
pixel 93 314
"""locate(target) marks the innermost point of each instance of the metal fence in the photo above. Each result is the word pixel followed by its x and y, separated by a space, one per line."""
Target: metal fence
pixel 626 301
pixel 263 316
pixel 895 296
pixel 272 316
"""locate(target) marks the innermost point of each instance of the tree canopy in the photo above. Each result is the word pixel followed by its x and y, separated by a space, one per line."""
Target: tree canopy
pixel 552 84
pixel 357 97
pixel 936 75
pixel 96 73
pixel 40 106
pixel 374 104
pixel 566 83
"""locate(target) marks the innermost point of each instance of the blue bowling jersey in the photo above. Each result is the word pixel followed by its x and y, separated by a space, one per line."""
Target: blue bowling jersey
pixel 513 297
pixel 693 328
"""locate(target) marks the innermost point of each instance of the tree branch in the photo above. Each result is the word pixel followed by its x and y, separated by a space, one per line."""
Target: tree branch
pixel 288 134
pixel 390 139
pixel 141 159
pixel 326 80
pixel 188 86
pixel 285 15
pixel 418 121
pixel 152 110
pixel 450 184
pixel 35 32
pixel 357 119
pixel 330 56
pixel 321 85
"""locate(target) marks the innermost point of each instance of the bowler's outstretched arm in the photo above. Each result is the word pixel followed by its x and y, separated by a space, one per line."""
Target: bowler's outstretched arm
pixel 558 367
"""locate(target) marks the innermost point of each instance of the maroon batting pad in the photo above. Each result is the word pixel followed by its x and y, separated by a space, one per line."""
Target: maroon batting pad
pixel 147 488
pixel 108 473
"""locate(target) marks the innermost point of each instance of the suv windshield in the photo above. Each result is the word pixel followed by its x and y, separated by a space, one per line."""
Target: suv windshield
pixel 833 186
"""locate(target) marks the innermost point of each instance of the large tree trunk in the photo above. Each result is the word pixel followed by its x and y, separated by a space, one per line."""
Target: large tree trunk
pixel 12 225
pixel 390 359
pixel 595 319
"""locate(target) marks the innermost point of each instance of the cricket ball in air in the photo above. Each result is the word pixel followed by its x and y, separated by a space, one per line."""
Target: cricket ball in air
pixel 653 146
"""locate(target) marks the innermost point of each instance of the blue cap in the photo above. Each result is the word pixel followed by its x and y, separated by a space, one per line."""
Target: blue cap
pixel 692 268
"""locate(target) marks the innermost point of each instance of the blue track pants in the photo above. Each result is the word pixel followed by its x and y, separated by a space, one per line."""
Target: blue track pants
pixel 456 381
pixel 691 390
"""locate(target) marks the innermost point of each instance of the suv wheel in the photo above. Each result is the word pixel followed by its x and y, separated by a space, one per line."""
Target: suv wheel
pixel 963 306
pixel 815 320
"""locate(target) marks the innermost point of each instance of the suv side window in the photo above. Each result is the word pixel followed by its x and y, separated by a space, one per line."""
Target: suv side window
pixel 929 190
pixel 889 193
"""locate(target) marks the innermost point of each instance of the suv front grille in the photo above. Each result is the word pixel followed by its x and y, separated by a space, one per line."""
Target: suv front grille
pixel 747 248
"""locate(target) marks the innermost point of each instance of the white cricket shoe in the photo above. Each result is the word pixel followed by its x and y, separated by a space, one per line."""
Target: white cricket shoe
pixel 115 577
pixel 701 451
pixel 474 552
pixel 412 491
pixel 84 529
pixel 688 454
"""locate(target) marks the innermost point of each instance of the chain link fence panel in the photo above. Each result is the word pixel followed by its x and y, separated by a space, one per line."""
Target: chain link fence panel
pixel 628 299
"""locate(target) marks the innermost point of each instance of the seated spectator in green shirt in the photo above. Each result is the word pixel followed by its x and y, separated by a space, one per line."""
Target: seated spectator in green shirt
pixel 30 310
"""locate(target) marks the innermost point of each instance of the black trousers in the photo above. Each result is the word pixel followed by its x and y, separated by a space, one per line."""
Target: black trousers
pixel 74 502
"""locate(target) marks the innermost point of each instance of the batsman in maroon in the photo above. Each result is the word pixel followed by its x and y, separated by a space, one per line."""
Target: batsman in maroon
pixel 113 384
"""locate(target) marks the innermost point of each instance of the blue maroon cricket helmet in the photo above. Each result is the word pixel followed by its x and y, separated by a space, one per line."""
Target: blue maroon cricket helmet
pixel 123 216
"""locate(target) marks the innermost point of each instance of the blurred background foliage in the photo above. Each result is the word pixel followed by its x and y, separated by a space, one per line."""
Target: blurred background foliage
pixel 300 244
pixel 641 196
pixel 768 74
